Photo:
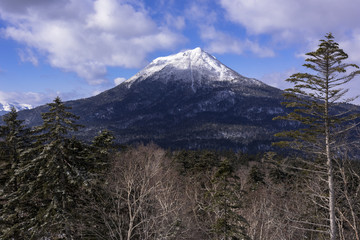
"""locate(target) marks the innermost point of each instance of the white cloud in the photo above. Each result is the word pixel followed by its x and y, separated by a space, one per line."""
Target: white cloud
pixel 277 79
pixel 110 15
pixel 287 16
pixel 299 23
pixel 96 92
pixel 86 36
pixel 176 21
pixel 119 80
pixel 220 42
pixel 200 13
pixel 27 55
pixel 39 98
pixel 351 46
pixel 30 98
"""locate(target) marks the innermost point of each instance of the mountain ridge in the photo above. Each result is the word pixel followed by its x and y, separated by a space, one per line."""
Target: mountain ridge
pixel 186 100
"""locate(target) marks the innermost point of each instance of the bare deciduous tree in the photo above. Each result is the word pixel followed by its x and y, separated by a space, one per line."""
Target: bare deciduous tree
pixel 140 199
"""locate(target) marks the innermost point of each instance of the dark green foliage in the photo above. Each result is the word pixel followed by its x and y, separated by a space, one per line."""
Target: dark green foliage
pixel 50 175
pixel 104 141
pixel 101 148
pixel 4 166
pixel 277 172
pixel 226 202
pixel 97 160
pixel 277 175
pixel 14 138
pixel 193 162
pixel 58 122
pixel 256 176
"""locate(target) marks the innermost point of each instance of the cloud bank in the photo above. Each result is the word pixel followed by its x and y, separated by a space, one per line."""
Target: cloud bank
pixel 219 41
pixel 31 98
pixel 293 21
pixel 85 36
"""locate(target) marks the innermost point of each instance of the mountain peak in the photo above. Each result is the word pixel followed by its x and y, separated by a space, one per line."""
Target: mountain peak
pixel 195 66
pixel 193 53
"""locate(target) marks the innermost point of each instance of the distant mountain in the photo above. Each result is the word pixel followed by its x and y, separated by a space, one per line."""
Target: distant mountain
pixel 187 100
pixel 6 107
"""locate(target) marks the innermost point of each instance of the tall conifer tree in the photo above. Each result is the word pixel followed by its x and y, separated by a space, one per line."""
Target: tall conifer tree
pixel 229 224
pixel 315 100
pixel 52 176
pixel 14 137
pixel 102 146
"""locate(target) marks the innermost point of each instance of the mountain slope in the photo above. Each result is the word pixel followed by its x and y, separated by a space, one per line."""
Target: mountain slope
pixel 187 100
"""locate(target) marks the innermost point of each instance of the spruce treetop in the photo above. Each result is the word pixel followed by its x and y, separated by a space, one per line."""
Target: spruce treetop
pixel 59 121
pixel 316 95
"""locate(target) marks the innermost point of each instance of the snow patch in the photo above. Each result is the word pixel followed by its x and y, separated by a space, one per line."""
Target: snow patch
pixel 6 107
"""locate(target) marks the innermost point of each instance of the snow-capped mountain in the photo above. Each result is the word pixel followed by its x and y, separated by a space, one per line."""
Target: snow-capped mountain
pixel 194 66
pixel 5 107
pixel 187 100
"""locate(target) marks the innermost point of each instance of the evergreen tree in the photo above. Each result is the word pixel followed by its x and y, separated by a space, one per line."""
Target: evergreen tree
pixel 315 101
pixel 102 146
pixel 98 162
pixel 52 176
pixel 229 224
pixel 104 141
pixel 14 138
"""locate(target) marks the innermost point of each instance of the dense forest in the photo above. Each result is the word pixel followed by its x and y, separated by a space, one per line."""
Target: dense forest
pixel 56 187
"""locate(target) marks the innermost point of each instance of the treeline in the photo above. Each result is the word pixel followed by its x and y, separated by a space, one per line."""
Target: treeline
pixel 54 186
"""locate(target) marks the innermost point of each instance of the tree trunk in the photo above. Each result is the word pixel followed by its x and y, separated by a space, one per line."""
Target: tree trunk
pixel 329 164
pixel 331 192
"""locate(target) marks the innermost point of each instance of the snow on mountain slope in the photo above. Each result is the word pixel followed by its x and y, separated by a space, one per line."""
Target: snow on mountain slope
pixel 5 107
pixel 195 66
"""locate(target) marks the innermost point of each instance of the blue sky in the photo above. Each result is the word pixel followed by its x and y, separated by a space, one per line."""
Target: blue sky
pixel 78 48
